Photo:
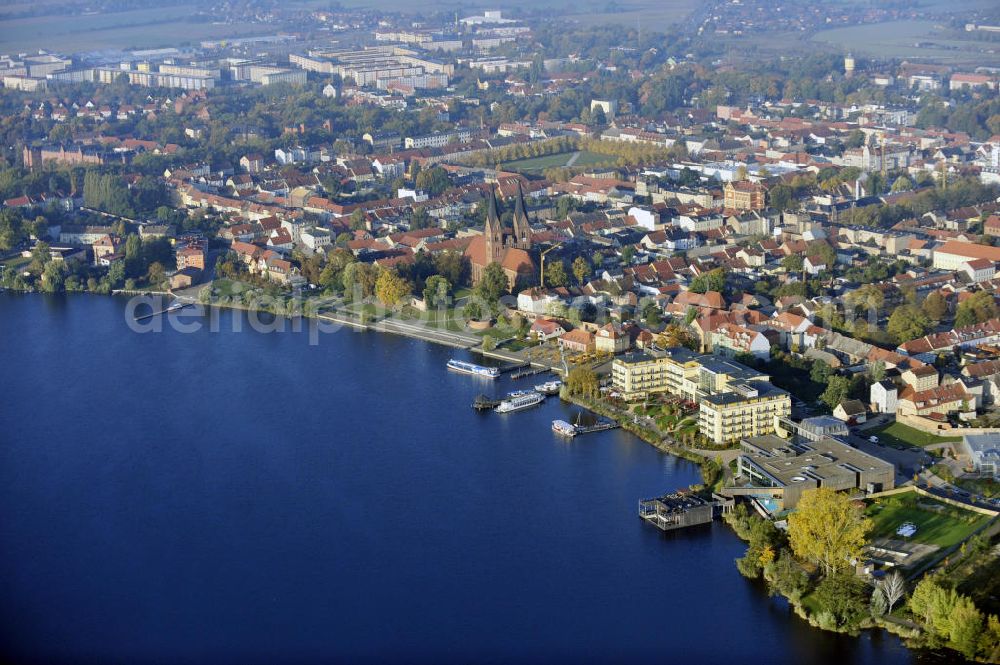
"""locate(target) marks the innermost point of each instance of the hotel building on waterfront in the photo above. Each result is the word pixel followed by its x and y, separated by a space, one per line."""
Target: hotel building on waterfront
pixel 735 401
pixel 746 409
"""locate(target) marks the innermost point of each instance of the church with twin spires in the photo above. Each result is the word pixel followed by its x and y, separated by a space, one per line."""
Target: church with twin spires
pixel 508 246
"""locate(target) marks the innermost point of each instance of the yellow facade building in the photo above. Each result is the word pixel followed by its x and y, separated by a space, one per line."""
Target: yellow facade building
pixel 746 410
pixel 734 400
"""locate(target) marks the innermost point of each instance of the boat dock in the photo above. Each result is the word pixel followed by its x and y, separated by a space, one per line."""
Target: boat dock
pixel 174 307
pixel 528 371
pixel 484 403
pixel 569 429
pixel 599 426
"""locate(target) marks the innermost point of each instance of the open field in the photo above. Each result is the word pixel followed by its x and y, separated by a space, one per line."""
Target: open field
pixel 645 14
pixel 937 523
pixel 169 25
pixel 536 165
pixel 653 14
pixel 144 28
pixel 16 263
pixel 898 434
pixel 900 39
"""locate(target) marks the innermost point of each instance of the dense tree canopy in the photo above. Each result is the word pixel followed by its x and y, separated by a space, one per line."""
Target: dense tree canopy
pixel 828 528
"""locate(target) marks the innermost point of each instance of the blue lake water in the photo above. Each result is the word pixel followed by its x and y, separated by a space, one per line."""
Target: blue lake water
pixel 221 497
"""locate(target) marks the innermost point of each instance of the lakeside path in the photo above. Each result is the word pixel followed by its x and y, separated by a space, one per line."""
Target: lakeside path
pixel 445 337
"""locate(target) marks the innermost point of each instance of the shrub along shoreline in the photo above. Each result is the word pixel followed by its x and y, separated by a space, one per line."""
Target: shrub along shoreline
pixel 936 615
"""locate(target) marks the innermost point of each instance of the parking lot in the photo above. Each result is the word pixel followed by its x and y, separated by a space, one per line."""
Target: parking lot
pixel 907 461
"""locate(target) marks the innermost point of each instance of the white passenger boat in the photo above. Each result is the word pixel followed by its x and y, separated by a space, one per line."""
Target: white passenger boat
pixel 549 387
pixel 563 428
pixel 518 401
pixel 471 368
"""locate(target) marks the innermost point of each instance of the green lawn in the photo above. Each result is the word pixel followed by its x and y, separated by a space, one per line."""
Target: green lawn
pixel 908 39
pixel 536 165
pixel 898 434
pixel 654 14
pixel 16 262
pixel 223 287
pixel 937 523
pixel 434 319
pixel 139 28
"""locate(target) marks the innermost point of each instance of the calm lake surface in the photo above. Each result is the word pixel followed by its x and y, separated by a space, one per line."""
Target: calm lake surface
pixel 248 498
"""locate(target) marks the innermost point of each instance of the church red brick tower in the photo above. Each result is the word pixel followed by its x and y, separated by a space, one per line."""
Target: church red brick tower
pixel 510 247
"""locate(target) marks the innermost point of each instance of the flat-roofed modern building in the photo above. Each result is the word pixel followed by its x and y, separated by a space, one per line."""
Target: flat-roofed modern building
pixel 154 79
pixel 369 65
pixel 781 470
pixel 191 70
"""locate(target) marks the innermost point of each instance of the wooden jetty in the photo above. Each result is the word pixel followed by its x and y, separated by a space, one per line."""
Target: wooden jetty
pixel 599 426
pixel 528 371
pixel 174 307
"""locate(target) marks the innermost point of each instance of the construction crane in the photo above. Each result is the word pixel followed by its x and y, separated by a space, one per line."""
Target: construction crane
pixel 541 275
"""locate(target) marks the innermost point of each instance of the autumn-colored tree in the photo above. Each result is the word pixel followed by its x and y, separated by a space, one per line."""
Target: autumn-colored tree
pixel 360 275
pixel 358 220
pixel 675 335
pixel 156 274
pixel 390 288
pixel 823 250
pixel 555 274
pixel 867 297
pixel 827 528
pixel 582 381
pixel 935 306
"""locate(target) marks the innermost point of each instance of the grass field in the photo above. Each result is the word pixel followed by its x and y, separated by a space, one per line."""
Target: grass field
pixel 937 523
pixel 898 434
pixel 144 28
pixel 16 262
pixel 644 14
pixel 536 165
pixel 899 39
pixel 435 319
pixel 653 14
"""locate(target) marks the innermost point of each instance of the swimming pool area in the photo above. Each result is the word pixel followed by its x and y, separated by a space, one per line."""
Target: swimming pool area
pixel 770 504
